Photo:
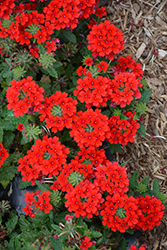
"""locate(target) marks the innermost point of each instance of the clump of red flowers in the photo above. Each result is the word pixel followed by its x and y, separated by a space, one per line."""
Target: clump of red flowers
pixel 3 154
pixel 105 40
pixel 89 128
pixel 123 130
pixel 58 111
pixel 45 158
pixel 24 94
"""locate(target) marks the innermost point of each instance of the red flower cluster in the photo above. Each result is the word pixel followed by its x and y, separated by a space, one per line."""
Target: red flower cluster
pixel 55 16
pixel 124 88
pixel 105 40
pixel 3 154
pixel 45 158
pixel 120 212
pixel 112 178
pixel 41 204
pixel 90 128
pixel 93 91
pixel 58 111
pixel 127 63
pixel 135 248
pixel 86 243
pixel 152 212
pixel 123 130
pixel 24 94
pixel 6 8
pixel 84 199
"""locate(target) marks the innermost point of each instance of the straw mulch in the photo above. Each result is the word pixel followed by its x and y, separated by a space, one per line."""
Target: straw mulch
pixel 144 24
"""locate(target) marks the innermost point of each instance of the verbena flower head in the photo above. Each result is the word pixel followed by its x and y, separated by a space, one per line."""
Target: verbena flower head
pixel 105 40
pixel 24 94
pixel 3 154
pixel 120 212
pixel 58 110
pixel 44 158
pixel 90 128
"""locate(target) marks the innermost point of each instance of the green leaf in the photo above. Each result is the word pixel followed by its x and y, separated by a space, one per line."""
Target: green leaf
pixel 115 147
pixel 56 228
pixel 142 130
pixel 56 244
pixel 95 234
pixel 133 180
pixel 24 184
pixel 129 231
pixel 135 176
pixel 11 223
pixel 41 48
pixel 106 112
pixel 156 188
pixel 69 36
pixel 17 244
pixel 145 96
pixel 8 138
pixel 85 51
pixel 1 135
pixel 23 223
pixel 7 172
pixel 145 180
pixel 42 187
pixel 51 71
pixel 123 244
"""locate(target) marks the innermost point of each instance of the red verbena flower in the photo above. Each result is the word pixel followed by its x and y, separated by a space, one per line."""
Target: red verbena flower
pixel 58 110
pixel 24 94
pixel 20 127
pixel 105 40
pixel 152 211
pixel 86 243
pixel 89 128
pixel 3 154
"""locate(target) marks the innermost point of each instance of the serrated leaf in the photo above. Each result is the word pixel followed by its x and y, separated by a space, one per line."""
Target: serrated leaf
pixel 42 187
pixel 123 244
pixel 5 183
pixel 69 36
pixel 145 180
pixel 24 184
pixel 106 112
pixel 11 223
pixel 115 148
pixel 1 135
pixel 8 138
pixel 95 234
pixel 85 51
pixel 23 223
pixel 56 228
pixel 132 184
pixel 156 188
pixel 41 48
pixel 56 244
pixel 142 130
pixel 135 176
pixel 52 72
pixel 7 172
pixel 17 244
pixel 145 96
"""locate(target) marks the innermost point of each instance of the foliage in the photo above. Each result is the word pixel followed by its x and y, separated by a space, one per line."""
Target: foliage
pixel 64 94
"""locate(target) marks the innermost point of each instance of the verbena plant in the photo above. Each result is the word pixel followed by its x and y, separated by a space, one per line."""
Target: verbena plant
pixel 65 92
